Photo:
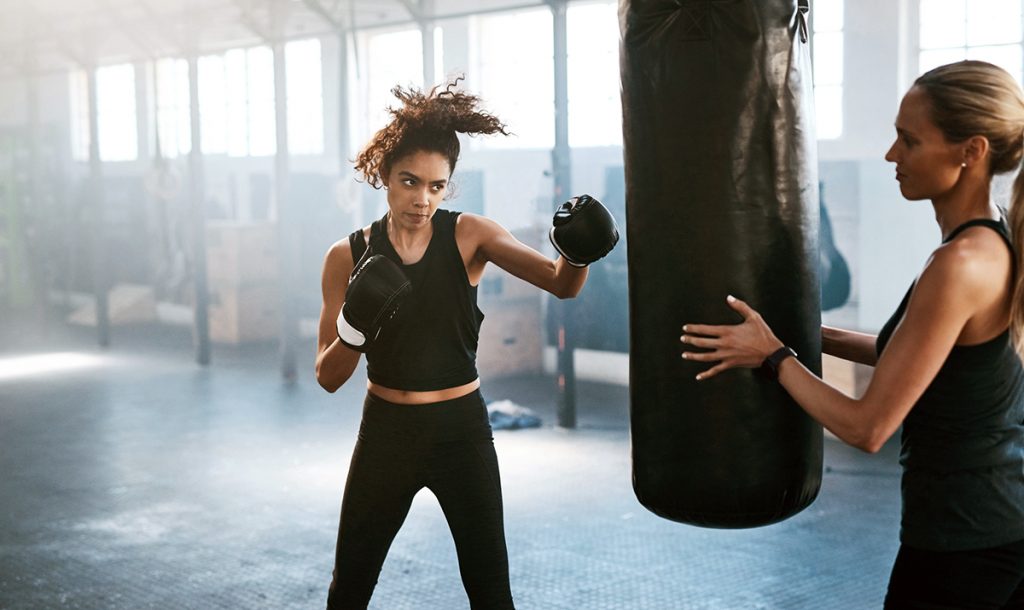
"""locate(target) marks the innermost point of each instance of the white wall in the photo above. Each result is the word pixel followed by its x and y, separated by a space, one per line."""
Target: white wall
pixel 896 237
pixel 12 103
pixel 872 79
pixel 893 237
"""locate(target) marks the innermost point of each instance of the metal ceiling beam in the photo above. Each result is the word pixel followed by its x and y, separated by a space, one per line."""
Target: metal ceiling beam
pixel 320 11
pixel 45 33
pixel 461 14
pixel 113 14
pixel 161 24
pixel 415 11
pixel 75 55
pixel 249 21
pixel 80 58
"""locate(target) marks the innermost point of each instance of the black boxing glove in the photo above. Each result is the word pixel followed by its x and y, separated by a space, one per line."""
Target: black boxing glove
pixel 583 231
pixel 376 289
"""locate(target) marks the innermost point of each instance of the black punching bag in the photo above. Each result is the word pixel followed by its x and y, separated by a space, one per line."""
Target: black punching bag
pixel 721 198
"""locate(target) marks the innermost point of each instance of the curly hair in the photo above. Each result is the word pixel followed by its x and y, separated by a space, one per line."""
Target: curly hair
pixel 429 122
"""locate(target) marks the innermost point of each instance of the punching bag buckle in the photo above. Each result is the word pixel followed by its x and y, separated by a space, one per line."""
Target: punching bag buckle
pixel 803 7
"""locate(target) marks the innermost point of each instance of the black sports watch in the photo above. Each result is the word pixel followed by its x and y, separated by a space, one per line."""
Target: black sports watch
pixel 772 362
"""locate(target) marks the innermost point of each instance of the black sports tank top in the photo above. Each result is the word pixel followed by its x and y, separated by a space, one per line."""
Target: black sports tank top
pixel 431 342
pixel 962 445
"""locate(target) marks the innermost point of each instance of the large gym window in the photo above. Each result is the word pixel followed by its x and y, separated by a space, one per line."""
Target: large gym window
pixel 512 55
pixel 595 105
pixel 954 30
pixel 304 78
pixel 115 114
pixel 78 84
pixel 392 58
pixel 236 102
pixel 247 99
pixel 828 67
pixel 169 85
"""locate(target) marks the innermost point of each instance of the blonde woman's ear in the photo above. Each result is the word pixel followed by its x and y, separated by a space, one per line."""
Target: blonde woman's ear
pixel 976 150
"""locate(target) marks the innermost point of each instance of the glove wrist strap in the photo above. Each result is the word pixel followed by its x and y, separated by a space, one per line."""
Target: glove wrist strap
pixel 349 334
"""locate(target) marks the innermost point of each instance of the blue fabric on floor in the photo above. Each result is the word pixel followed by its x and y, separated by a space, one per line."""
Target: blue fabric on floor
pixel 507 415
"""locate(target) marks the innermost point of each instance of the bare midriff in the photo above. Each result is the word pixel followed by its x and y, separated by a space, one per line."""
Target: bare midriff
pixel 405 397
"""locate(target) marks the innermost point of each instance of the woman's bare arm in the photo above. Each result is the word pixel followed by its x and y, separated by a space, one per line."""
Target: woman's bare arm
pixel 849 345
pixel 335 361
pixel 952 288
pixel 490 242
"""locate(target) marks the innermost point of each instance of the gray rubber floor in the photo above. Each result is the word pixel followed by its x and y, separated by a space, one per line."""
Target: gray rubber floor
pixel 133 478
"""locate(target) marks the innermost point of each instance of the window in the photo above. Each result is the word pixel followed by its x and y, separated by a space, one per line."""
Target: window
pixel 257 105
pixel 393 58
pixel 439 74
pixel 595 106
pixel 990 31
pixel 78 83
pixel 304 73
pixel 828 68
pixel 212 104
pixel 236 101
pixel 516 80
pixel 115 114
pixel 236 98
pixel 171 95
pixel 117 122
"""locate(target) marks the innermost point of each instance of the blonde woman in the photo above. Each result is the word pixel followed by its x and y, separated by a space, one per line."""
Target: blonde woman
pixel 946 363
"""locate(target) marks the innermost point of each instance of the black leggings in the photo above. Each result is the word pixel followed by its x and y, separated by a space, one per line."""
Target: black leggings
pixel 985 578
pixel 446 447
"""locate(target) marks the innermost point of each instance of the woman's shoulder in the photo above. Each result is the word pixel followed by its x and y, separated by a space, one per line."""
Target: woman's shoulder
pixel 340 252
pixel 978 259
pixel 469 220
pixel 469 225
pixel 978 246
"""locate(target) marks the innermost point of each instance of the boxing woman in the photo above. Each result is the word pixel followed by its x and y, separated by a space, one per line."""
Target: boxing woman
pixel 403 291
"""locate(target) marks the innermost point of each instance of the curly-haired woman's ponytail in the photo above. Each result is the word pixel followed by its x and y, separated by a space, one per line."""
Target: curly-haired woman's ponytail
pixel 430 121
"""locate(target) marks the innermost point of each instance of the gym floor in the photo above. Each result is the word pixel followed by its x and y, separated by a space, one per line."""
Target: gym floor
pixel 133 478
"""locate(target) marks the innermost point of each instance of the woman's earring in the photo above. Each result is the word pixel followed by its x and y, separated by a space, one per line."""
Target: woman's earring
pixel 964 164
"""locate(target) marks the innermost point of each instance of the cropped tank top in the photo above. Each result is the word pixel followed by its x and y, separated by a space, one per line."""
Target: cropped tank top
pixel 431 342
pixel 962 444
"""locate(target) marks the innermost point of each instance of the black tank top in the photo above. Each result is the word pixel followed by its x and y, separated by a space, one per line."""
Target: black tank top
pixel 962 445
pixel 431 342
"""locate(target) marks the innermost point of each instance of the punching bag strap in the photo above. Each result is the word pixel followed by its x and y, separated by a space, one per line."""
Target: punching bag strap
pixel 803 7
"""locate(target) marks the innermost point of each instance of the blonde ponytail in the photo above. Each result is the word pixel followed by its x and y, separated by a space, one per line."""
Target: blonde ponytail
pixel 1016 220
